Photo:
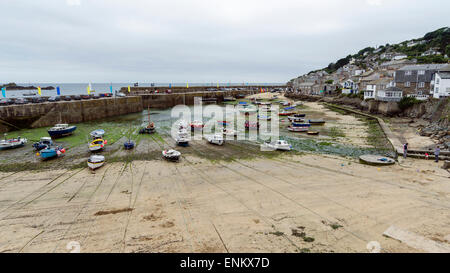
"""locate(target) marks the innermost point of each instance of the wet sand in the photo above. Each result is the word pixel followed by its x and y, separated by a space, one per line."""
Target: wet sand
pixel 335 205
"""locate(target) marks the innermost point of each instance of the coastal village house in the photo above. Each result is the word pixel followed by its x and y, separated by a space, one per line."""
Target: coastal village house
pixel 415 80
pixel 389 94
pixel 349 87
pixel 440 84
pixel 370 92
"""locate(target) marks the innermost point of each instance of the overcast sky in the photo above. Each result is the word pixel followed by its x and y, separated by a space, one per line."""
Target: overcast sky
pixel 197 40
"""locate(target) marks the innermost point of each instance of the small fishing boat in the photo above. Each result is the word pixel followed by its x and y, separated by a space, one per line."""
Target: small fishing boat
pixel 171 155
pixel 229 132
pixel 282 145
pixel 128 145
pixel 297 116
pixel 97 145
pixel 99 133
pixel 317 121
pixel 313 133
pixel 264 118
pixel 251 125
pixel 297 129
pixel 215 139
pixel 12 143
pixel 296 124
pixel 43 143
pixel 150 128
pixel 51 152
pixel 196 125
pixel 295 119
pixel 95 161
pixel 182 138
pixel 285 113
pixel 61 130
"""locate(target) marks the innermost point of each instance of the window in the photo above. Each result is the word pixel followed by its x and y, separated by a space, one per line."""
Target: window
pixel 421 84
pixel 408 72
pixel 421 72
pixel 407 84
pixel 437 80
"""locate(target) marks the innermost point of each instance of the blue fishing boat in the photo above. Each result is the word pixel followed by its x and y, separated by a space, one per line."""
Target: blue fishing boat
pixel 43 143
pixel 61 130
pixel 128 145
pixel 317 121
pixel 296 124
pixel 51 152
pixel 99 133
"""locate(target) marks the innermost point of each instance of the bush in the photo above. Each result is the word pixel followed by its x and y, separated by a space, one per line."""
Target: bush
pixel 407 102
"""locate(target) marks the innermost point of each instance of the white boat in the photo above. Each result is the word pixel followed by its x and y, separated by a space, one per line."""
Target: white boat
pixel 215 139
pixel 182 137
pixel 95 161
pixel 229 132
pixel 99 133
pixel 278 145
pixel 296 119
pixel 171 155
pixel 97 145
pixel 12 143
pixel 182 124
pixel 298 129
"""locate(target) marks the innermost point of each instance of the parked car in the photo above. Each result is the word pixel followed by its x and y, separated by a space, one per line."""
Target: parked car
pixel 67 98
pixel 77 97
pixel 20 101
pixel 37 100
pixel 95 96
pixel 54 98
pixel 6 101
pixel 86 97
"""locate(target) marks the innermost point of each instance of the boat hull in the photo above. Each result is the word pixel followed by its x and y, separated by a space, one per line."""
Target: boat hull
pixel 62 133
pixel 298 129
pixel 95 165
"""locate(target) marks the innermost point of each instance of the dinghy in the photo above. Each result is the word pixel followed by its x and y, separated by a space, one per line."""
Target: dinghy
pixel 297 129
pixel 297 117
pixel 95 161
pixel 196 125
pixel 97 145
pixel 171 155
pixel 215 139
pixel 313 133
pixel 61 130
pixel 317 121
pixel 297 124
pixel 99 133
pixel 12 143
pixel 182 137
pixel 282 145
pixel 285 113
pixel 51 152
pixel 43 143
pixel 128 145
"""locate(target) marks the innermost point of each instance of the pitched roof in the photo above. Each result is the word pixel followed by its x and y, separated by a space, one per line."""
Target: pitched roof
pixel 423 67
pixel 444 75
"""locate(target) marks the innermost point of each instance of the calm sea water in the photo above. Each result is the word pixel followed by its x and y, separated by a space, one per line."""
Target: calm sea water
pixel 81 88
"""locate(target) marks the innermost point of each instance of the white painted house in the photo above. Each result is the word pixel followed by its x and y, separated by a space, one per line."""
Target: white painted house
pixel 441 84
pixel 389 94
pixel 399 56
pixel 349 87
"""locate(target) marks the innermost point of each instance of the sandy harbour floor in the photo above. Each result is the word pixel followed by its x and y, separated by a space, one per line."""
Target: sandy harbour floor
pixel 289 203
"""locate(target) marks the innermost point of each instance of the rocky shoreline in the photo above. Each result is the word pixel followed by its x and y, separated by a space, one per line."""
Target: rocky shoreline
pixel 15 87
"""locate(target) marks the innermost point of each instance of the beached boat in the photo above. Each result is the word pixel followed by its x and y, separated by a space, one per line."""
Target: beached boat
pixel 95 161
pixel 251 125
pixel 171 155
pixel 51 152
pixel 229 132
pixel 129 144
pixel 196 125
pixel 313 133
pixel 285 113
pixel 297 124
pixel 265 118
pixel 296 119
pixel 97 145
pixel 296 116
pixel 282 145
pixel 99 133
pixel 12 143
pixel 215 139
pixel 150 128
pixel 316 121
pixel 182 138
pixel 61 130
pixel 43 143
pixel 297 129
pixel 247 110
